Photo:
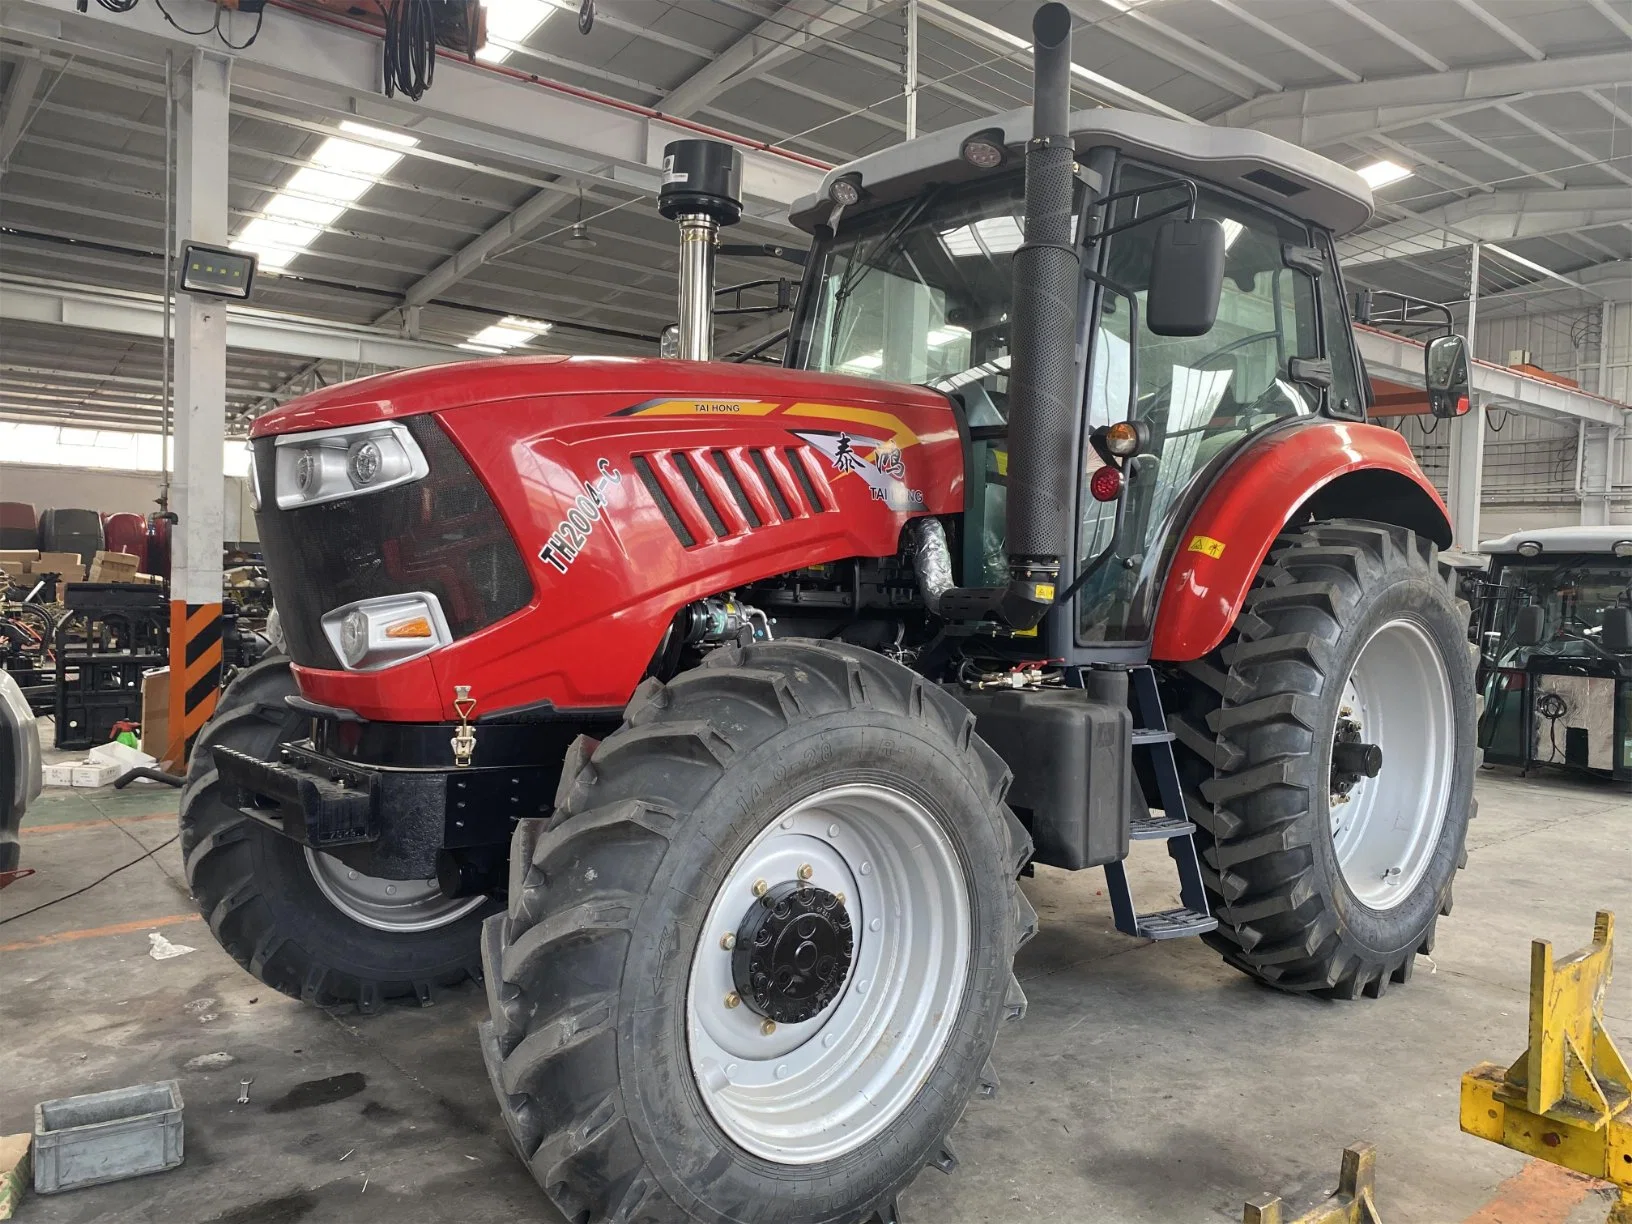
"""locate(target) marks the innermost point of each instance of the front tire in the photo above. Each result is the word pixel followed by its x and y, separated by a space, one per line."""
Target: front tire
pixel 1325 879
pixel 640 1070
pixel 298 920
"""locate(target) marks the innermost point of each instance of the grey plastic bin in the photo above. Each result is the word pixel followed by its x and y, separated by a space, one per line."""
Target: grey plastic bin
pixel 106 1136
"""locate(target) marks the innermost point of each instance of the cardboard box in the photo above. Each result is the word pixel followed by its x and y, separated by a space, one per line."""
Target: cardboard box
pixel 96 773
pixel 68 565
pixel 18 560
pixel 113 567
pixel 59 775
pixel 15 1175
pixel 156 712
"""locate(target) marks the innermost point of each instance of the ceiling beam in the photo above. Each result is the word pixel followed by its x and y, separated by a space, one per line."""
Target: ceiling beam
pixel 1420 163
pixel 1490 150
pixel 1324 114
pixel 1393 35
pixel 1610 15
pixel 1505 216
pixel 1574 150
pixel 774 41
pixel 1281 36
pixel 1505 31
pixel 14 107
pixel 1173 47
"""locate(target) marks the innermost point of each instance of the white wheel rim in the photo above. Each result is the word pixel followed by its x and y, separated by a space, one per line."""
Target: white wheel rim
pixel 402 906
pixel 1385 829
pixel 811 1091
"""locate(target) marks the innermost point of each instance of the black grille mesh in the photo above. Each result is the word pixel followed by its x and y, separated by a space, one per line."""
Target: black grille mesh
pixel 441 534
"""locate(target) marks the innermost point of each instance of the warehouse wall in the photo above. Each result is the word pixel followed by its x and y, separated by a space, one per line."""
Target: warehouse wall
pixel 112 492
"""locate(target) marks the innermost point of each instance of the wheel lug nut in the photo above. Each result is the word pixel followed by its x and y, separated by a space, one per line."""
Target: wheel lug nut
pixel 728 941
pixel 838 898
pixel 768 1027
pixel 733 999
pixel 806 871
pixel 761 888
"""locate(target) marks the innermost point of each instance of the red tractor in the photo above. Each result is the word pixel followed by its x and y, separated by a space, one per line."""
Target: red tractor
pixel 708 713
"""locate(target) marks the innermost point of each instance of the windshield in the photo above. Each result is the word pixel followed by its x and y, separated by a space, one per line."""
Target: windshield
pixel 1197 395
pixel 920 293
pixel 1574 595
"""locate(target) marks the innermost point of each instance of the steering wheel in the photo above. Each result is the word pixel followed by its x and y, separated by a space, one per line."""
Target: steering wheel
pixel 1165 393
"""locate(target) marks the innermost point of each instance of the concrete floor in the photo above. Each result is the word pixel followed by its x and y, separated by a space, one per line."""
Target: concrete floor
pixel 1150 1084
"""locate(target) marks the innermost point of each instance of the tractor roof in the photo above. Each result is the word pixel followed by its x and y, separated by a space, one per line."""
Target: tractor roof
pixel 1563 540
pixel 1253 163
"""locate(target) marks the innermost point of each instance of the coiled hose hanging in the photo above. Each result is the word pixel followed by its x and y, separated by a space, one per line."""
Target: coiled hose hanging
pixel 410 47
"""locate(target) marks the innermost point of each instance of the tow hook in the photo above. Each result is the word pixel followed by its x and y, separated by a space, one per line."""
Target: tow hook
pixel 464 735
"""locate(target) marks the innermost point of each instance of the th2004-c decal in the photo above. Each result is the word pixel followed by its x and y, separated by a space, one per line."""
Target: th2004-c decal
pixel 569 539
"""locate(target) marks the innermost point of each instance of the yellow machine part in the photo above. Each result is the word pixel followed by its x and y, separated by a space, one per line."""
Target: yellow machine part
pixel 1350 1203
pixel 1568 1098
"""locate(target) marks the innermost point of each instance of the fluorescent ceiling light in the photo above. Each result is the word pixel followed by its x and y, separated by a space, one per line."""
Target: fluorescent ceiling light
pixel 1232 230
pixel 1382 173
pixel 317 194
pixel 947 335
pixel 509 332
pixel 991 236
pixel 473 347
pixel 510 22
pixel 867 361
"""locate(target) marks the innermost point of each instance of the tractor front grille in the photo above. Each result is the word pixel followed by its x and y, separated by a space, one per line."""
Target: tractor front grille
pixel 442 534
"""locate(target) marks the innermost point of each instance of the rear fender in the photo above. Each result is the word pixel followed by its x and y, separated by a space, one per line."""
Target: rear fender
pixel 1325 469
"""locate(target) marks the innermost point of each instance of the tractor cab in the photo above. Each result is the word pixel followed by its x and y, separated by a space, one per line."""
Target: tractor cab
pixel 1556 650
pixel 1210 314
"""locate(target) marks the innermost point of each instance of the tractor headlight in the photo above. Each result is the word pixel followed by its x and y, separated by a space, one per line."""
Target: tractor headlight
pixel 1622 549
pixel 254 484
pixel 332 463
pixel 1529 548
pixel 375 633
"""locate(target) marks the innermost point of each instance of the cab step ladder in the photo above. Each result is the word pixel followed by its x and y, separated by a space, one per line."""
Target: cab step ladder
pixel 1151 737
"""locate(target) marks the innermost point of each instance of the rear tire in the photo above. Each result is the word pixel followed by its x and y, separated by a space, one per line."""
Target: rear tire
pixel 261 892
pixel 601 975
pixel 1321 883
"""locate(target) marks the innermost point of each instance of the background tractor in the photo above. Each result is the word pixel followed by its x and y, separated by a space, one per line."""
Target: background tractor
pixel 1556 632
pixel 709 712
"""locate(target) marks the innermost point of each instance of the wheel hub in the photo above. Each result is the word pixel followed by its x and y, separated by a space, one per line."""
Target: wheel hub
pixel 1352 759
pixel 793 952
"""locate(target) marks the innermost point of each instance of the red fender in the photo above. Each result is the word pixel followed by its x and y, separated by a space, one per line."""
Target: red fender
pixel 1359 470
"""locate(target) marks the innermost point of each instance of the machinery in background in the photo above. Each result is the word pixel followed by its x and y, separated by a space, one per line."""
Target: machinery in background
pixel 20 773
pixel 1556 650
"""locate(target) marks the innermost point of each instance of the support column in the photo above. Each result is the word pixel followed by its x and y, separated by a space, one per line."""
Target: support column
pixel 912 69
pixel 1467 457
pixel 1597 473
pixel 199 406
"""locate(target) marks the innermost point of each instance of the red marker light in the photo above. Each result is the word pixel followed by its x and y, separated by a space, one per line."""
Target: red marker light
pixel 1105 484
pixel 1462 405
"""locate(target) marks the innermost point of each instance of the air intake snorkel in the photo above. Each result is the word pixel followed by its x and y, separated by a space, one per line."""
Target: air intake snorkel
pixel 1042 365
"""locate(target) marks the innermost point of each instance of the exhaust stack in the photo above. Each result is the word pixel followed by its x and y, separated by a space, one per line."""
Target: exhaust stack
pixel 1042 369
pixel 702 191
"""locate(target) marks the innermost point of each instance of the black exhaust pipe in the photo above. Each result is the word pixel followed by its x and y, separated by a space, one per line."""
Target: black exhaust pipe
pixel 1042 367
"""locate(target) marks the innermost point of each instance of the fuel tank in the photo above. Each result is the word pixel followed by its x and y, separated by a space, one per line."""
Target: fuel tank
pixel 574 505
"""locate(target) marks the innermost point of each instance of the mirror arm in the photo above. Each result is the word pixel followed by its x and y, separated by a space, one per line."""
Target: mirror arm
pixel 1189 210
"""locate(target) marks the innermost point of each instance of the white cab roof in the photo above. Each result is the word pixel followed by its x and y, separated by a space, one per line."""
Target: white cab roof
pixel 1562 539
pixel 1253 163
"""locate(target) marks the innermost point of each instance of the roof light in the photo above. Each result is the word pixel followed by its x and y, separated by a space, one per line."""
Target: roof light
pixel 315 197
pixel 508 333
pixel 984 150
pixel 1382 173
pixel 510 23
pixel 949 334
pixel 845 191
pixel 1529 548
pixel 1621 548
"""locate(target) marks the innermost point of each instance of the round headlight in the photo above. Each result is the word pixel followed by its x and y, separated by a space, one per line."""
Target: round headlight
pixel 984 150
pixel 1122 439
pixel 1530 548
pixel 1622 548
pixel 364 462
pixel 354 637
pixel 308 472
pixel 844 191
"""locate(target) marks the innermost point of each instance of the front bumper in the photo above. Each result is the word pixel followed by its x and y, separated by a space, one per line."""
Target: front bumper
pixel 386 821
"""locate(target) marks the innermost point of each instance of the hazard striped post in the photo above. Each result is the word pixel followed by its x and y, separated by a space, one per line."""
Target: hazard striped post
pixel 195 673
pixel 200 408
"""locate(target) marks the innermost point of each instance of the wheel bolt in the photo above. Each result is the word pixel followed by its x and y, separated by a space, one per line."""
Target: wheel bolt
pixel 728 941
pixel 761 888
pixel 838 898
pixel 733 999
pixel 806 871
pixel 768 1027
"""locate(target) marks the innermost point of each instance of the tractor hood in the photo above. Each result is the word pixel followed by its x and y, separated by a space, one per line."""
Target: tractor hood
pixel 404 393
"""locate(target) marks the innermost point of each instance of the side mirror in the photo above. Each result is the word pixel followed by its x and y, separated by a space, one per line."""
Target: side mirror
pixel 1618 629
pixel 1446 374
pixel 1186 278
pixel 1530 626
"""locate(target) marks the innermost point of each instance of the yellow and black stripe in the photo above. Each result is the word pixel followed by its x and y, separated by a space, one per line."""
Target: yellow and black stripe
pixel 195 674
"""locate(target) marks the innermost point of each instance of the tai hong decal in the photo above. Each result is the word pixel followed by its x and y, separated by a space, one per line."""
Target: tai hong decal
pixel 569 539
pixel 879 464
